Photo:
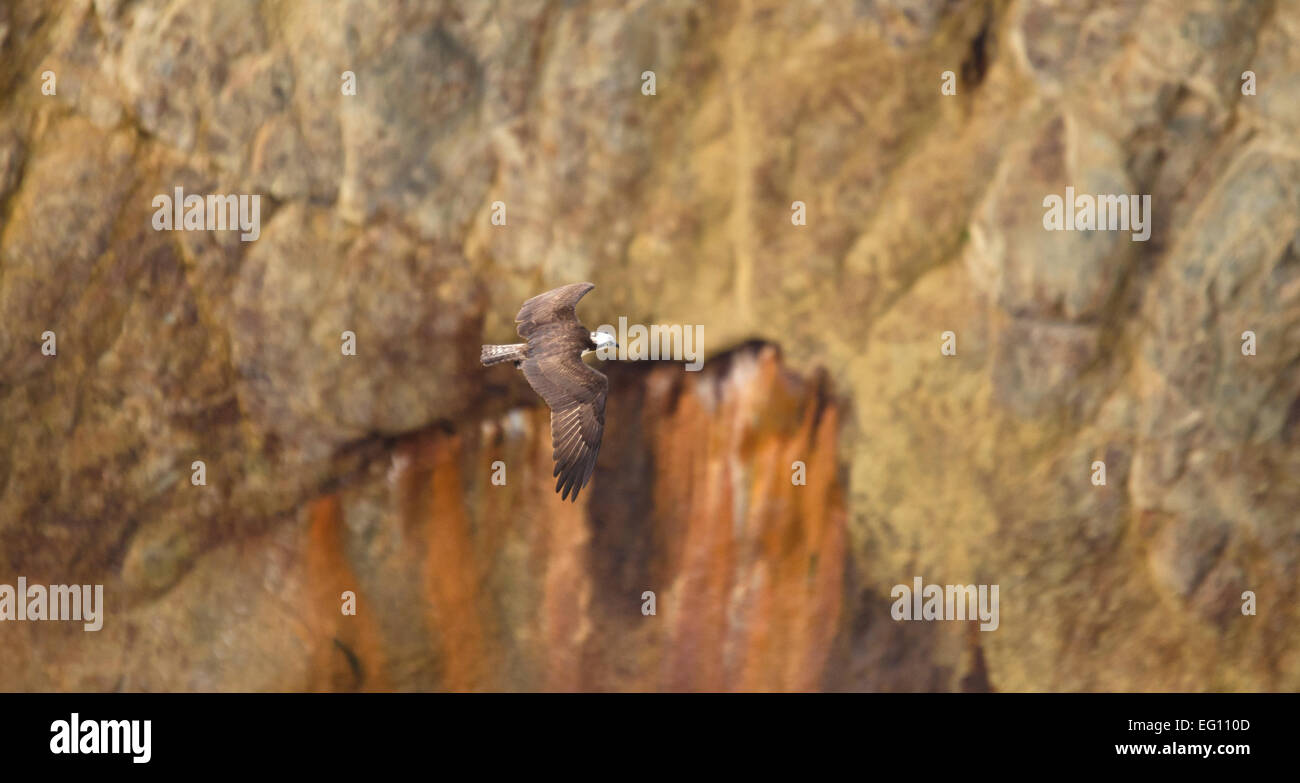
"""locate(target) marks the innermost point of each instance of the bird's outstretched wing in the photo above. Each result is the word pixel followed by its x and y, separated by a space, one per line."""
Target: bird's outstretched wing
pixel 576 395
pixel 553 308
pixel 575 392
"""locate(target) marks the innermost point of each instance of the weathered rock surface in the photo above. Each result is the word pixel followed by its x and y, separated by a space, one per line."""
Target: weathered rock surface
pixel 371 472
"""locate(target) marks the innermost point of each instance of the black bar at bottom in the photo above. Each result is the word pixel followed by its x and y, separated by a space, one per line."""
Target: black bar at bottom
pixel 215 733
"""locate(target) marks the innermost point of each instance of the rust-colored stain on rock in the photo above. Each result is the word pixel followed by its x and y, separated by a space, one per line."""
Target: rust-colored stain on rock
pixel 746 562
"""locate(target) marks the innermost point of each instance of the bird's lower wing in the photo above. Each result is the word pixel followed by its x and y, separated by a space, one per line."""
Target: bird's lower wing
pixel 576 395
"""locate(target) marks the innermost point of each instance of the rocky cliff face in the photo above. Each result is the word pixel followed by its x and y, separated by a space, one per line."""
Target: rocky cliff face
pixel 371 473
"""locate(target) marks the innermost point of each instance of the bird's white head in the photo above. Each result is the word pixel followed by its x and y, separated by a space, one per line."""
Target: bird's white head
pixel 603 340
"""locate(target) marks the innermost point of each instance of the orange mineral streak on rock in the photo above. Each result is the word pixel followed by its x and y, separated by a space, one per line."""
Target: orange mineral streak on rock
pixel 755 596
pixel 459 598
pixel 692 499
pixel 566 595
pixel 347 651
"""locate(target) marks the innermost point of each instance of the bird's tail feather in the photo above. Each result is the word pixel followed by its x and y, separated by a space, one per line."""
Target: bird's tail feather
pixel 496 354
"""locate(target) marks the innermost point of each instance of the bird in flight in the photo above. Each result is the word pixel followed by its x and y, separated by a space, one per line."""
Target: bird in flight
pixel 552 363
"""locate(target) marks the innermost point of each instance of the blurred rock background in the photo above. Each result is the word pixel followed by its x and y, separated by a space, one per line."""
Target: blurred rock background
pixel 371 473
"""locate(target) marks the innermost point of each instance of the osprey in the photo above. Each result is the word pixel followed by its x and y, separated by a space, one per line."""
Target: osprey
pixel 552 363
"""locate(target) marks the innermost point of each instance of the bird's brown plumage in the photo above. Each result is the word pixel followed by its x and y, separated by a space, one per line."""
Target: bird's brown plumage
pixel 575 392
